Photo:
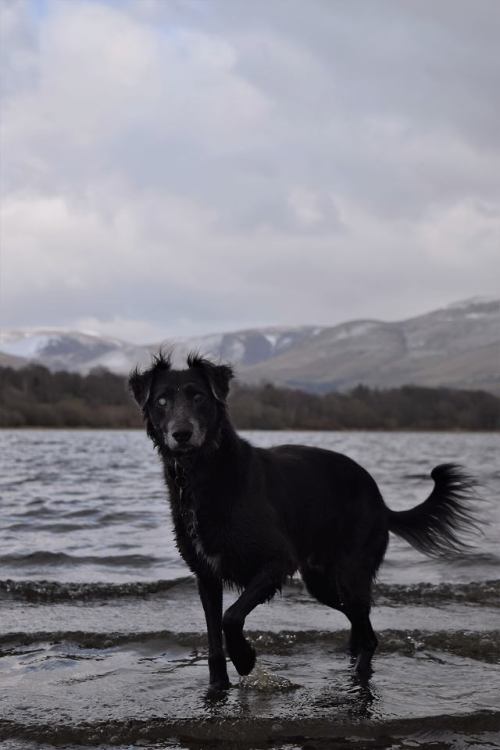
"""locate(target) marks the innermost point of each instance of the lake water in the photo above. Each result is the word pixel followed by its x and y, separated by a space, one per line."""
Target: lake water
pixel 102 637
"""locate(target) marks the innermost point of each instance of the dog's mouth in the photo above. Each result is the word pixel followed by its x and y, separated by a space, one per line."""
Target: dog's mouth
pixel 183 449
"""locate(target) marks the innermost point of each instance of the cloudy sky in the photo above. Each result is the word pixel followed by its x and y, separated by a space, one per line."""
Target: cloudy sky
pixel 173 167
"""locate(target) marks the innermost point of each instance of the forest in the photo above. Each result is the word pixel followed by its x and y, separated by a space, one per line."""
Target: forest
pixel 36 397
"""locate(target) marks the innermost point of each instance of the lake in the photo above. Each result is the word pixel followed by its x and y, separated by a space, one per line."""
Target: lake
pixel 102 637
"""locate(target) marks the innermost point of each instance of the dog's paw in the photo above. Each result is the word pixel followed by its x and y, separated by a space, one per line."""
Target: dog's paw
pixel 245 660
pixel 219 686
pixel 242 654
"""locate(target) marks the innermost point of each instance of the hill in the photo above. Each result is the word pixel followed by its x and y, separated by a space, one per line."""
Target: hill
pixel 35 397
pixel 455 347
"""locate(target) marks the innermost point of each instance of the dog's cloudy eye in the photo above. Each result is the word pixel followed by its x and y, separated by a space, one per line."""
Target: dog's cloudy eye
pixel 162 401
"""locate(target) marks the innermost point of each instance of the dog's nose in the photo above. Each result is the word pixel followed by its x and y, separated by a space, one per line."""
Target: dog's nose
pixel 182 436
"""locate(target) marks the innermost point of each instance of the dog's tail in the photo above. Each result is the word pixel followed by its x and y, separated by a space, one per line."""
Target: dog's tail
pixel 435 526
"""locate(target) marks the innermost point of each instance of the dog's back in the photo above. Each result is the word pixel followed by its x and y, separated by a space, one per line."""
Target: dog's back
pixel 330 506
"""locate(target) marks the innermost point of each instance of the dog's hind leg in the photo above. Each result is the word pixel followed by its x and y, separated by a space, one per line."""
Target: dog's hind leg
pixel 322 585
pixel 350 595
pixel 210 591
pixel 260 589
pixel 363 640
pixel 356 599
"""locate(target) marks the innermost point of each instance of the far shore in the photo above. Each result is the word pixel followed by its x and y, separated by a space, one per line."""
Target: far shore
pixel 83 428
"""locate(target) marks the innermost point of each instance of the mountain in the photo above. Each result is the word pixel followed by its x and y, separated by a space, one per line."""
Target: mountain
pixel 69 350
pixel 457 346
pixel 83 351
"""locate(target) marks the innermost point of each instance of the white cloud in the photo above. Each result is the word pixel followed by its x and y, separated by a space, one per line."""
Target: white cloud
pixel 465 235
pixel 166 168
pixel 306 206
pixel 135 331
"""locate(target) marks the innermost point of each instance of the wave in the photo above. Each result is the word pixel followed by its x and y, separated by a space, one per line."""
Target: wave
pixel 466 560
pixel 339 731
pixel 56 591
pixel 57 527
pixel 481 646
pixel 486 593
pixel 44 557
pixel 474 592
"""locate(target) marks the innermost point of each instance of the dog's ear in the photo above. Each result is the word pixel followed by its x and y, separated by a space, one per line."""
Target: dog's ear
pixel 140 382
pixel 217 376
pixel 140 385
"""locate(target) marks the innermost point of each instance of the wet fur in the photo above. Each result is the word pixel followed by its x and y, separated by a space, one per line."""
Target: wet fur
pixel 250 517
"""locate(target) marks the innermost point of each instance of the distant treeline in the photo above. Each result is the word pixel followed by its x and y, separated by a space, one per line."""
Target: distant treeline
pixel 36 397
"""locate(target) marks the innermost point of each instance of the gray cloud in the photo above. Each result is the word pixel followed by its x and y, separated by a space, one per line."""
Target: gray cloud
pixel 185 167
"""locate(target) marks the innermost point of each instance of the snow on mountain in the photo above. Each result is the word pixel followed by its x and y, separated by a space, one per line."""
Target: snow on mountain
pixel 456 346
pixel 242 348
pixel 473 302
pixel 27 345
pixel 70 350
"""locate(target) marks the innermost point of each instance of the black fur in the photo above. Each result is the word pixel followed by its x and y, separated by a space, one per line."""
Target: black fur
pixel 251 517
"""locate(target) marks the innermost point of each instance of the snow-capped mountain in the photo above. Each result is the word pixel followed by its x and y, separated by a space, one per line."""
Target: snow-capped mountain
pixel 82 351
pixel 456 346
pixel 248 347
pixel 77 351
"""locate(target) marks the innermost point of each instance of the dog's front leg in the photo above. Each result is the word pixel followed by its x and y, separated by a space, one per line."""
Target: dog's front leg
pixel 260 589
pixel 210 590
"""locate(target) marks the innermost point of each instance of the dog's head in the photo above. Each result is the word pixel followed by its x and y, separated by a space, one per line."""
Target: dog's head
pixel 182 408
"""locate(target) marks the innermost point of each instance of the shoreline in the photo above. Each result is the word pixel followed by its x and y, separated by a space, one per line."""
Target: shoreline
pixel 340 430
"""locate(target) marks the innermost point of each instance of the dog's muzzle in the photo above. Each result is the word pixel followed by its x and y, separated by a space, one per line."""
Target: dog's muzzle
pixel 184 436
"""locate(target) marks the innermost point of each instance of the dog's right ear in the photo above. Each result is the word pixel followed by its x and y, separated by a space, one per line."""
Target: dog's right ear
pixel 140 385
pixel 140 382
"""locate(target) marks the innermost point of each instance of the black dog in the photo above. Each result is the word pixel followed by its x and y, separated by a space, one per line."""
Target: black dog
pixel 251 517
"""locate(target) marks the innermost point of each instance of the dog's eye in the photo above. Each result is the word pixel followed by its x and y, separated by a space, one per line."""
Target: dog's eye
pixel 198 398
pixel 162 401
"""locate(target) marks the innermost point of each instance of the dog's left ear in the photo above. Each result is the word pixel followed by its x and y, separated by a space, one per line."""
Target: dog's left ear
pixel 218 376
pixel 140 385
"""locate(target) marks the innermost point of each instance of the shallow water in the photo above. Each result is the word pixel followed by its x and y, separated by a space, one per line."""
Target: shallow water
pixel 102 637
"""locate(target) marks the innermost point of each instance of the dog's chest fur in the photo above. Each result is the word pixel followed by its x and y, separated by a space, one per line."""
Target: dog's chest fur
pixel 204 546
